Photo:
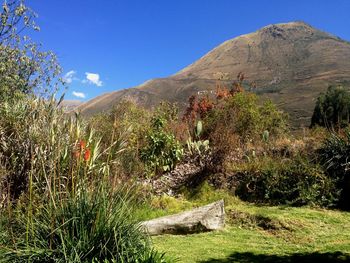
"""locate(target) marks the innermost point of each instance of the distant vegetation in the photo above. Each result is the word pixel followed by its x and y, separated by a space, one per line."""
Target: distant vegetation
pixel 332 108
pixel 74 189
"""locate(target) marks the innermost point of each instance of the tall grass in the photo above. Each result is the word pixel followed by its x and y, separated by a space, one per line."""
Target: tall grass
pixel 60 202
pixel 93 225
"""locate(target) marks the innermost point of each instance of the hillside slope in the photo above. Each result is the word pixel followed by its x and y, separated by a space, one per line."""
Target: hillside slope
pixel 291 64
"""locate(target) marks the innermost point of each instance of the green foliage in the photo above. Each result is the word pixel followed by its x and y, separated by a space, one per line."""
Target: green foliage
pixel 265 136
pixel 332 109
pixel 40 144
pixel 158 206
pixel 130 123
pixel 90 227
pixel 199 129
pixel 197 147
pixel 150 257
pixel 55 203
pixel 205 193
pixel 335 157
pixel 241 114
pixel 24 68
pixel 169 112
pixel 335 153
pixel 294 182
pixel 162 151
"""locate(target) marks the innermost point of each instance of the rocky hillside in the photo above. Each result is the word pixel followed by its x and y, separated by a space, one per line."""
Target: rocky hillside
pixel 290 63
pixel 71 104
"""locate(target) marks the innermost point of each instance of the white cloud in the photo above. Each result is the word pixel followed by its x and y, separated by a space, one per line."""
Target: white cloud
pixel 93 78
pixel 69 76
pixel 79 94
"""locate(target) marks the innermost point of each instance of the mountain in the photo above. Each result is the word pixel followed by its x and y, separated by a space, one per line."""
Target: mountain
pixel 71 104
pixel 291 63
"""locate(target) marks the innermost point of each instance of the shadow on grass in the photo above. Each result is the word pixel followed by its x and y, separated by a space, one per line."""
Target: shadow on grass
pixel 315 257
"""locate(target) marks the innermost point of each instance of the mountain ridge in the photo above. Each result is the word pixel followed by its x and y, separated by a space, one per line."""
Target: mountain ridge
pixel 291 63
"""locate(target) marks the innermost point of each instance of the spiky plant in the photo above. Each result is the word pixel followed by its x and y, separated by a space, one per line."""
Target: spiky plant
pixel 94 225
pixel 66 209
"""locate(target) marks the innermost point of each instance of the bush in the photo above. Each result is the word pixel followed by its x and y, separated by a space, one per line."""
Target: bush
pixel 206 193
pixel 276 181
pixel 332 109
pixel 243 115
pixel 162 151
pixel 334 156
pixel 91 227
pixel 240 120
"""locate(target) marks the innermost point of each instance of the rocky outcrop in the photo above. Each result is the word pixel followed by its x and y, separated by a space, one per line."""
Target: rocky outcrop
pixel 189 173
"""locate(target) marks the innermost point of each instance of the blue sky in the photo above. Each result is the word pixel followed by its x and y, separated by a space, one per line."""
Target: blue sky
pixel 114 44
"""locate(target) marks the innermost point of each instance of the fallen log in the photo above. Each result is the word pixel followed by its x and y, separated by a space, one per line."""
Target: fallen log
pixel 202 219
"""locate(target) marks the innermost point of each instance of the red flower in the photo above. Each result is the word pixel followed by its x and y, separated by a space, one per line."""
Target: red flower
pixel 82 145
pixel 80 149
pixel 87 154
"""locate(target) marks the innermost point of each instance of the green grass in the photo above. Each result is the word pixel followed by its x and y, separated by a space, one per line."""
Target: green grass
pixel 267 234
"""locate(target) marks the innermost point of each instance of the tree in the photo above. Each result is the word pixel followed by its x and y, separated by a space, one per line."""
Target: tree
pixel 24 68
pixel 332 109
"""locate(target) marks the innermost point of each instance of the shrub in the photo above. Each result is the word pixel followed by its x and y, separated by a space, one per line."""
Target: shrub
pixel 197 147
pixel 243 115
pixel 162 151
pixel 332 109
pixel 206 193
pixel 240 120
pixel 334 155
pixel 276 181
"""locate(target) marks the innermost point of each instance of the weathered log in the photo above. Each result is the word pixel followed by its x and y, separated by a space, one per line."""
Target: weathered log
pixel 202 219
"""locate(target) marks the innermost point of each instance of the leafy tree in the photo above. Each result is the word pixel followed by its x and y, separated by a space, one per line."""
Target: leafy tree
pixel 332 108
pixel 24 67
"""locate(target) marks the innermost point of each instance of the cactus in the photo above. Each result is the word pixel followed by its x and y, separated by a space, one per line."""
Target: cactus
pixel 199 129
pixel 266 136
pixel 197 147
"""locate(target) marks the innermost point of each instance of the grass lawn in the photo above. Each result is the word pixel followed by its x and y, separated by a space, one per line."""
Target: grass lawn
pixel 267 234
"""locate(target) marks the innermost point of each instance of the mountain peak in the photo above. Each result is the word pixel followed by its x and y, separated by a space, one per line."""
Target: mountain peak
pixel 290 24
pixel 288 28
pixel 290 63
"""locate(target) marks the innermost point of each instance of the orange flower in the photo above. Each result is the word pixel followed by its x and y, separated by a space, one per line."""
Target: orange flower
pixel 79 149
pixel 87 154
pixel 82 145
